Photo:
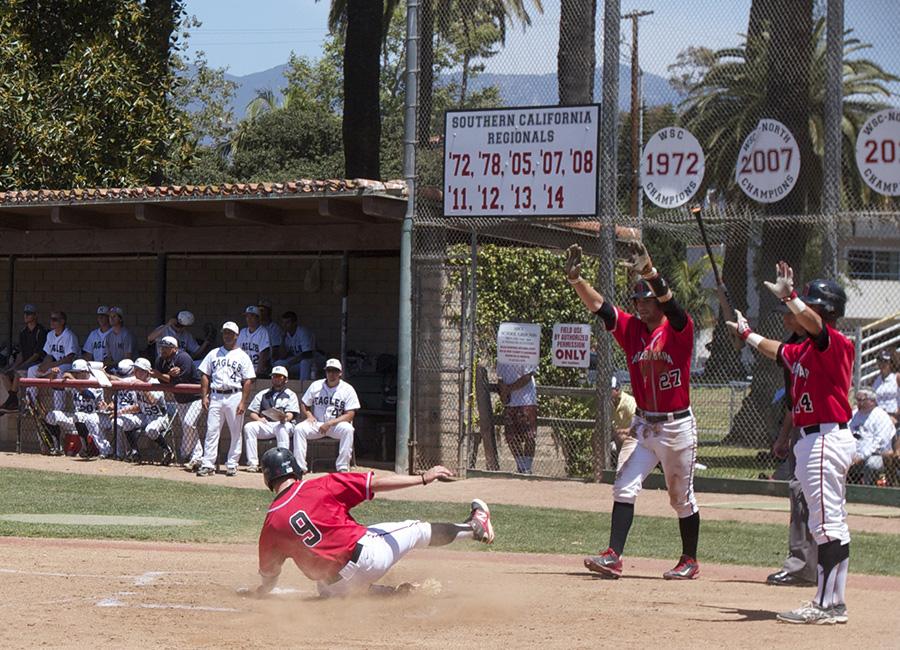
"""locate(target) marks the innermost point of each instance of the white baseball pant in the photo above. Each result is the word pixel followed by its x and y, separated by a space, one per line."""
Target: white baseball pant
pixel 309 430
pixel 264 430
pixel 67 423
pixel 222 407
pixel 59 394
pixel 823 460
pixel 383 546
pixel 152 425
pixel 189 413
pixel 674 444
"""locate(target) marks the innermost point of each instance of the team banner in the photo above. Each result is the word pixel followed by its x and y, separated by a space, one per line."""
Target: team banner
pixel 878 152
pixel 521 162
pixel 672 167
pixel 571 345
pixel 768 164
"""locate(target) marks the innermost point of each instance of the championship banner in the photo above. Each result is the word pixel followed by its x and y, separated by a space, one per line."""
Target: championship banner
pixel 571 345
pixel 672 167
pixel 521 162
pixel 768 164
pixel 878 152
pixel 519 344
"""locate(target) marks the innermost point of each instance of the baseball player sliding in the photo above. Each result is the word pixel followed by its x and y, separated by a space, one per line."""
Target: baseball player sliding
pixel 820 367
pixel 226 377
pixel 272 413
pixel 658 343
pixel 310 523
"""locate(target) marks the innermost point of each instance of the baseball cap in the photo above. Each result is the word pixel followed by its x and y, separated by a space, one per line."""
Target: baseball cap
pixel 280 370
pixel 231 326
pixel 252 309
pixel 884 355
pixel 185 318
pixel 80 365
pixel 29 309
pixel 143 364
pixel 126 366
pixel 334 363
pixel 168 342
pixel 117 311
pixel 102 310
pixel 265 303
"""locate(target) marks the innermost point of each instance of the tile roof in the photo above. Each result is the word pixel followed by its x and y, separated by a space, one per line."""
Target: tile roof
pixel 224 190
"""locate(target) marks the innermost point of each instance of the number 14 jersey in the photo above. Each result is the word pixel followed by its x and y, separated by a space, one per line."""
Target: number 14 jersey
pixel 659 362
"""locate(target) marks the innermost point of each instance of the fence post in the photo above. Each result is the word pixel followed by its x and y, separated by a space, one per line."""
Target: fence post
pixel 834 71
pixel 857 366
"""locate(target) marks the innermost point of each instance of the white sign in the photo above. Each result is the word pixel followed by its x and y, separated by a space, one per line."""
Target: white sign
pixel 672 167
pixel 878 152
pixel 571 345
pixel 521 162
pixel 519 344
pixel 768 164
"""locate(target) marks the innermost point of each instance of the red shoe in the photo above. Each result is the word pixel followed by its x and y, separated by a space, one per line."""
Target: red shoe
pixel 687 569
pixel 480 521
pixel 608 564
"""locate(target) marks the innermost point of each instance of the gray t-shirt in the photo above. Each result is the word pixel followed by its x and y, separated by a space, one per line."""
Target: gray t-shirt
pixel 119 345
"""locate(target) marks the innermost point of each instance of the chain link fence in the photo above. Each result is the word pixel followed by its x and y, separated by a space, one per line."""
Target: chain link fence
pixel 781 171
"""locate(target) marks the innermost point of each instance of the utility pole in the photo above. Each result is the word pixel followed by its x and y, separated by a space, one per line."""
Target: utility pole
pixel 634 16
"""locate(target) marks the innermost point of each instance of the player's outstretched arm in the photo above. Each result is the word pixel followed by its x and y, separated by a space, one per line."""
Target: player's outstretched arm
pixel 767 347
pixel 399 481
pixel 783 288
pixel 589 296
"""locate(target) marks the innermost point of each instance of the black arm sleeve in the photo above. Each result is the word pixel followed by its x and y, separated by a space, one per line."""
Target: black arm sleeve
pixel 607 314
pixel 821 341
pixel 675 313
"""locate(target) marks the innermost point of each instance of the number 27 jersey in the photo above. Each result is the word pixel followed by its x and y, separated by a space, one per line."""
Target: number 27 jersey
pixel 659 362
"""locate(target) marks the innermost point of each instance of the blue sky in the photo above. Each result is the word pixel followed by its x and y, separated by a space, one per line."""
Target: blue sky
pixel 252 36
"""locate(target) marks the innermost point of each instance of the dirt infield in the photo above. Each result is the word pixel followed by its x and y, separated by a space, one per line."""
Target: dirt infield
pixel 77 593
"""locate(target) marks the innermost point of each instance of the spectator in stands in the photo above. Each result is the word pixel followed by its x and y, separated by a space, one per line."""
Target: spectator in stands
pixel 328 408
pixel 518 394
pixel 175 366
pixel 272 414
pixel 32 338
pixel 874 432
pixel 119 341
pixel 254 340
pixel 886 385
pixel 60 350
pixel 298 348
pixel 276 335
pixel 624 408
pixel 95 344
pixel 177 328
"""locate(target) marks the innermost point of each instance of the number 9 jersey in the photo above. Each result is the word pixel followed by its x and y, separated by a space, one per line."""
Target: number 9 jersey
pixel 659 362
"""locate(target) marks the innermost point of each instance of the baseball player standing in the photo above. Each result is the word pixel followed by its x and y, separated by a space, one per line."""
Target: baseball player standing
pixel 310 523
pixel 820 367
pixel 334 404
pixel 658 343
pixel 254 340
pixel 175 366
pixel 226 377
pixel 87 405
pixel 95 345
pixel 272 414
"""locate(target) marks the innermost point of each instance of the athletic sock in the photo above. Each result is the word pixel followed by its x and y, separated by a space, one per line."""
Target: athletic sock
pixel 834 559
pixel 443 534
pixel 690 533
pixel 622 516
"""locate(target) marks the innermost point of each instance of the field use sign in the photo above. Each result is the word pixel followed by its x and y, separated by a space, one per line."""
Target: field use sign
pixel 526 162
pixel 571 345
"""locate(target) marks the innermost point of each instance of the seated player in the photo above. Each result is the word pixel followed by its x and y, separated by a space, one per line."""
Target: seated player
pixel 85 419
pixel 264 423
pixel 310 523
pixel 147 413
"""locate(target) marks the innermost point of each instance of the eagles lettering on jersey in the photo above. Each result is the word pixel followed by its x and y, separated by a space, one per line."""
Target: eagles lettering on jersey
pixel 58 349
pixel 224 362
pixel 337 406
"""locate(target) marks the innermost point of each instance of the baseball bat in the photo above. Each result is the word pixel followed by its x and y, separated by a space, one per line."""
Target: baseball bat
pixel 721 290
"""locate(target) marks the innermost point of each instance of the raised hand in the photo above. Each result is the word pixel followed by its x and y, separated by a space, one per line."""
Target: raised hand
pixel 741 327
pixel 783 287
pixel 573 263
pixel 637 259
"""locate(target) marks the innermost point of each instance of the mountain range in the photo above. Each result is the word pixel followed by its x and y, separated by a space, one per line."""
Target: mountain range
pixel 515 89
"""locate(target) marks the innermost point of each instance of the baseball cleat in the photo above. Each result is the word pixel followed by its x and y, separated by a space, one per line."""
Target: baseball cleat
pixel 253 469
pixel 167 457
pixel 839 613
pixel 231 471
pixel 480 521
pixel 687 569
pixel 810 614
pixel 191 466
pixel 608 564
pixel 206 471
pixel 786 579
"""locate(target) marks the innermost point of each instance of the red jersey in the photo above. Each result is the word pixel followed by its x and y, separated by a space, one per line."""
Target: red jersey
pixel 820 380
pixel 659 362
pixel 310 523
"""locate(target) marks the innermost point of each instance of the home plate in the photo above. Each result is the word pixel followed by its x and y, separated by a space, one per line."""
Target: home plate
pixel 97 520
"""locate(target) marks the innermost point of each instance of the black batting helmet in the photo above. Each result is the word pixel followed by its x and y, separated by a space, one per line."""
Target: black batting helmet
pixel 642 289
pixel 828 294
pixel 277 463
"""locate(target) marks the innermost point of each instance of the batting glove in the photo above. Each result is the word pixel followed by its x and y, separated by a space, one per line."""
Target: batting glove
pixel 743 330
pixel 638 259
pixel 783 287
pixel 573 264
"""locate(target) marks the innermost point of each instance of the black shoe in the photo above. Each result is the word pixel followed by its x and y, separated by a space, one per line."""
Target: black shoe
pixel 11 404
pixel 167 457
pixel 133 457
pixel 785 579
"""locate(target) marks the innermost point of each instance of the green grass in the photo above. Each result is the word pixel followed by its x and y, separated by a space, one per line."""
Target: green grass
pixel 235 515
